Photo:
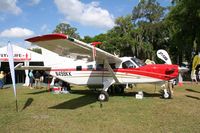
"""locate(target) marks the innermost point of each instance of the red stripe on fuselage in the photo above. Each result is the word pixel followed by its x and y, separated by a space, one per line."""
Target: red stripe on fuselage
pixel 159 71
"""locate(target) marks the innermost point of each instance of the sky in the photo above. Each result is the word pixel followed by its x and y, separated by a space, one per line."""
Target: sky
pixel 21 19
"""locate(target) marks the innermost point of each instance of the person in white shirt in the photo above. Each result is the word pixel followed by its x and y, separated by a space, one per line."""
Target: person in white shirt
pixel 199 75
pixel 193 76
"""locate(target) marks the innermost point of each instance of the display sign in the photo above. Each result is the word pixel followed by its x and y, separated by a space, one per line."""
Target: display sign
pixel 17 56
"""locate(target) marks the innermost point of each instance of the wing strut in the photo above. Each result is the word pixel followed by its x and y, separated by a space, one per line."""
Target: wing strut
pixel 111 71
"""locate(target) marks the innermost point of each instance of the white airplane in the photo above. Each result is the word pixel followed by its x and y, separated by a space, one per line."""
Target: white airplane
pixel 79 63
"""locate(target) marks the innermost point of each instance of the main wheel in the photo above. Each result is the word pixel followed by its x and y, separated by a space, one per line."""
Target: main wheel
pixel 103 96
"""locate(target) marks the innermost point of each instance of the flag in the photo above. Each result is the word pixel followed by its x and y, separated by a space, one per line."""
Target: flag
pixel 163 55
pixel 12 70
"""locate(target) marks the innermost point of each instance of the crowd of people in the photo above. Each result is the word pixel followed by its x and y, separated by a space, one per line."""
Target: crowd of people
pixel 35 80
pixel 38 77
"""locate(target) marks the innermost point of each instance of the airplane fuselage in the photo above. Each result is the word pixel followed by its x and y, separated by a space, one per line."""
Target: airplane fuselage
pixel 127 72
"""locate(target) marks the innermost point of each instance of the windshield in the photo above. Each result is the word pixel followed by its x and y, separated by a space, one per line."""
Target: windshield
pixel 138 61
pixel 128 64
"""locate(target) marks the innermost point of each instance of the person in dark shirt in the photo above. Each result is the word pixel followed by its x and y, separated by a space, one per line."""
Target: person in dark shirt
pixel 37 79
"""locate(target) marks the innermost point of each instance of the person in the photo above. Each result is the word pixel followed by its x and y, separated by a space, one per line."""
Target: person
pixel 2 79
pixel 193 76
pixel 41 76
pixel 37 79
pixel 65 87
pixel 31 77
pixel 199 74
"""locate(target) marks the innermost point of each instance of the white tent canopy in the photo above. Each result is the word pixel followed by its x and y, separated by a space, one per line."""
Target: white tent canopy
pixel 21 55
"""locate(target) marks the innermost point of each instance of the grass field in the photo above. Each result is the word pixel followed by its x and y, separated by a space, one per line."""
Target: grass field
pixel 80 112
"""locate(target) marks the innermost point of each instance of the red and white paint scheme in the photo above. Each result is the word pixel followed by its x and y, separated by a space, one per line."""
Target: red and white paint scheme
pixel 73 61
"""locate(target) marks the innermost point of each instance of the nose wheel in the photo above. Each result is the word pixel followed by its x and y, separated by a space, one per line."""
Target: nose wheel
pixel 166 94
pixel 103 96
pixel 167 91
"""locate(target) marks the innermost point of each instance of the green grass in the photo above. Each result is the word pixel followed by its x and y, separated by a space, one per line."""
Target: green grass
pixel 80 112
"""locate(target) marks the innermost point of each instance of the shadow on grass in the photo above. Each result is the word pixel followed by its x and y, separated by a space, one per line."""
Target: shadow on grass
pixel 197 98
pixel 132 94
pixel 151 94
pixel 87 97
pixel 38 92
pixel 28 103
pixel 192 90
pixel 7 87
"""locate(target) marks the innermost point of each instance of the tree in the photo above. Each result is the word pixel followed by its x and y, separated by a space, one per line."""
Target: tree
pixel 66 29
pixel 150 31
pixel 87 39
pixel 148 10
pixel 183 21
pixel 119 39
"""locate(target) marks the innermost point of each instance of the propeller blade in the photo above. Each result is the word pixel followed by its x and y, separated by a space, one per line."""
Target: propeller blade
pixel 183 69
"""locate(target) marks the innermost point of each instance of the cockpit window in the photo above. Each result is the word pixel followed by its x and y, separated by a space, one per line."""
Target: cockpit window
pixel 128 64
pixel 99 66
pixel 138 61
pixel 112 65
pixel 90 67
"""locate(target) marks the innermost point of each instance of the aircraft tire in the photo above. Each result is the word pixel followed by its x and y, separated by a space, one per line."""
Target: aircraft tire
pixel 103 96
pixel 166 96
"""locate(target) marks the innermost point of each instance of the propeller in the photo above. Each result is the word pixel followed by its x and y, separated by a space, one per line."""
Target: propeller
pixel 183 69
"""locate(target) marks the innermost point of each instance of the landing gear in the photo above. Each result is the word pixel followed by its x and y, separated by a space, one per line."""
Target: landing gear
pixel 166 94
pixel 103 96
pixel 113 89
pixel 167 91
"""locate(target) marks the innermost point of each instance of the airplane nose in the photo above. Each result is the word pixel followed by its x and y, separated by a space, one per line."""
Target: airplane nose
pixel 183 69
pixel 169 71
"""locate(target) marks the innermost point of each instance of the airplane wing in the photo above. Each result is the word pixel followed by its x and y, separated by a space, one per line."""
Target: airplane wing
pixel 67 46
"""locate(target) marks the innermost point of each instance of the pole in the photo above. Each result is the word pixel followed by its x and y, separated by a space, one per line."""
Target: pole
pixel 16 105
